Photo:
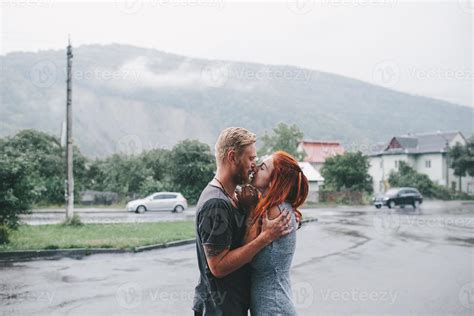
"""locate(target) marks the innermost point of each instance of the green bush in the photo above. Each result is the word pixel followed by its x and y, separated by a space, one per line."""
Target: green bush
pixel 463 196
pixel 439 192
pixel 406 176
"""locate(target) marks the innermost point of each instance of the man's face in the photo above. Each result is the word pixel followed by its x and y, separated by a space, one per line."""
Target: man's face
pixel 245 164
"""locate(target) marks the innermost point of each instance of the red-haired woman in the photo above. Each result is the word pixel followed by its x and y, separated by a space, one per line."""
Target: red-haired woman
pixel 283 186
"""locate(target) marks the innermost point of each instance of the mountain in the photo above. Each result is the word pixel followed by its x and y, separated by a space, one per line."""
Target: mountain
pixel 126 99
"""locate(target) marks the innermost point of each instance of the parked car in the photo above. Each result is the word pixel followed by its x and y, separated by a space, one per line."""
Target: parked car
pixel 160 201
pixel 399 197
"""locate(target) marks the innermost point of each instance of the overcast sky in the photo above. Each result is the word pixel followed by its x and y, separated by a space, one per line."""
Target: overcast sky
pixel 421 47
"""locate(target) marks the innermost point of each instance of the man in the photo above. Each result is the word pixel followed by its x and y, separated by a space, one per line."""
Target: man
pixel 224 284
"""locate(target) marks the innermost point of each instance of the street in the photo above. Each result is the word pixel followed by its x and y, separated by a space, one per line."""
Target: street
pixel 104 216
pixel 353 260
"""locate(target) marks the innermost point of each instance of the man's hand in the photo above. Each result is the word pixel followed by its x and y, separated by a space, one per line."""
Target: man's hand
pixel 277 227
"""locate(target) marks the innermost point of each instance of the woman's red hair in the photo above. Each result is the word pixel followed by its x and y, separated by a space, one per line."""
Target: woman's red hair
pixel 288 183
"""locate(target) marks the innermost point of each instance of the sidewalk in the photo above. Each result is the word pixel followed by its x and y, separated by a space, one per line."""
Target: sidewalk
pixel 92 210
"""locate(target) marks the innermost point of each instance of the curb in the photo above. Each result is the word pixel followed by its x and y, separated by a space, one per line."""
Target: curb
pixel 54 254
pixel 165 245
pixel 309 220
pixel 79 253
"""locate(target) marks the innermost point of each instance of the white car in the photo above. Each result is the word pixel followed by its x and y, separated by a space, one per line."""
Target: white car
pixel 161 201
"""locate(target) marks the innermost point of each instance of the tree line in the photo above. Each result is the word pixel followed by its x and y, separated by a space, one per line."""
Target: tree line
pixel 32 170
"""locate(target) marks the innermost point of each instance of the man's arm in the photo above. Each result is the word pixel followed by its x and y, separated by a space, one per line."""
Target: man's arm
pixel 222 261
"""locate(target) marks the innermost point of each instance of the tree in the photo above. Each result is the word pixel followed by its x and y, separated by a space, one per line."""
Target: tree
pixel 45 158
pixel 16 190
pixel 192 166
pixel 158 160
pixel 470 156
pixel 347 172
pixel 284 138
pixel 461 159
pixel 121 174
pixel 406 176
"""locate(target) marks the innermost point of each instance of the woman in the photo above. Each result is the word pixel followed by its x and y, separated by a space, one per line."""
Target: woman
pixel 283 186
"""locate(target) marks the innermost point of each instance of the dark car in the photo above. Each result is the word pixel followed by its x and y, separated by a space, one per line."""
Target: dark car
pixel 399 196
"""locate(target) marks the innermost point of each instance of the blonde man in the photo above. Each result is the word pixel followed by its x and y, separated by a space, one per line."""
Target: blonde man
pixel 224 283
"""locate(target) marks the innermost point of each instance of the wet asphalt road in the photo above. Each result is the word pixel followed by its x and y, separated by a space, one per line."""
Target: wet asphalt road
pixel 353 260
pixel 104 216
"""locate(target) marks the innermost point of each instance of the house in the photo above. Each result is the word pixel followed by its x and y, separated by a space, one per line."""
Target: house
pixel 426 153
pixel 317 151
pixel 315 180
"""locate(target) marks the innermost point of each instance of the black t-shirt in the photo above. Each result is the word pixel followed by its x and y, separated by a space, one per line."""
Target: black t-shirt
pixel 220 224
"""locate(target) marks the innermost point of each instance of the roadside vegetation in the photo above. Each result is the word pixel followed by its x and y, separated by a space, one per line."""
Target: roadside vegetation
pixel 124 236
pixel 32 173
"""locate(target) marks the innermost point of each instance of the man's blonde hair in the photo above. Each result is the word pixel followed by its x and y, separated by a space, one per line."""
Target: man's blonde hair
pixel 235 138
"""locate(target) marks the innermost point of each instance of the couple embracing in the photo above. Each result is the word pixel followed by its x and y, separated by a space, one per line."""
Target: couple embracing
pixel 246 240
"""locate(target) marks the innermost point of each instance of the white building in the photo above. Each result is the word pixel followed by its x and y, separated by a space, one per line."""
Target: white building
pixel 315 180
pixel 426 153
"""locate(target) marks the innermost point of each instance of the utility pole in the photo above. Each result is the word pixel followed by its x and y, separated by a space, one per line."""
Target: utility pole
pixel 447 164
pixel 69 144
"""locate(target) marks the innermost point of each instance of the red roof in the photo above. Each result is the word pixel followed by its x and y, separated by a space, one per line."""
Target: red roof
pixel 318 150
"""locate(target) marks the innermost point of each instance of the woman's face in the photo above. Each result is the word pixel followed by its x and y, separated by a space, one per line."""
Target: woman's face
pixel 262 177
